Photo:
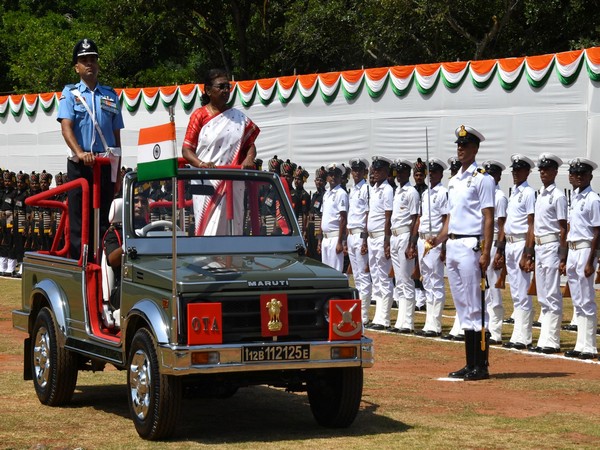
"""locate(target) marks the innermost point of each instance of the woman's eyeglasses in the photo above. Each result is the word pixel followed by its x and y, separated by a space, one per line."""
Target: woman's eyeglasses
pixel 223 86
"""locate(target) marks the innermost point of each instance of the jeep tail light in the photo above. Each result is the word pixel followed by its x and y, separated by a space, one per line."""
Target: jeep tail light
pixel 205 358
pixel 343 353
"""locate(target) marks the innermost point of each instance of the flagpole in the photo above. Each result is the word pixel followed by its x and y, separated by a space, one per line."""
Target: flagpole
pixel 174 200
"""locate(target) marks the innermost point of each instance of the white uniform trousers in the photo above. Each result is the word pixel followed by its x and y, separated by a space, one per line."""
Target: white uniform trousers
pixel 380 268
pixel 584 301
pixel 3 264
pixel 362 278
pixel 464 276
pixel 519 281
pixel 493 300
pixel 328 254
pixel 404 291
pixel 456 329
pixel 12 265
pixel 547 282
pixel 432 272
pixel 420 297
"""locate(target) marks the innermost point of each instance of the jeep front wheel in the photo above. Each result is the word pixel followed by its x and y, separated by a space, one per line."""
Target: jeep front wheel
pixel 54 367
pixel 335 396
pixel 154 399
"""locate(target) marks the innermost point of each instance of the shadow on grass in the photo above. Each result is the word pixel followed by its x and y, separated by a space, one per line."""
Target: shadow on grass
pixel 506 376
pixel 254 414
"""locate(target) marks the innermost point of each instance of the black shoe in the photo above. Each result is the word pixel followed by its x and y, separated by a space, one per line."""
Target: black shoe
pixel 404 331
pixel 394 330
pixel 536 324
pixel 448 337
pixel 521 346
pixel 572 354
pixel 431 334
pixel 420 332
pixel 550 350
pixel 461 373
pixel 586 355
pixel 508 345
pixel 536 349
pixel 377 327
pixel 478 373
pixel 494 342
pixel 570 327
pixel 16 275
pixel 509 320
pixel 459 338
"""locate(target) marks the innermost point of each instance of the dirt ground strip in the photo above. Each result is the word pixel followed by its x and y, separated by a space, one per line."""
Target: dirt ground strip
pixel 407 403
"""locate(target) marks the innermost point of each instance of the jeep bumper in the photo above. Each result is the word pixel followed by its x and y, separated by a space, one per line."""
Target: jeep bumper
pixel 181 360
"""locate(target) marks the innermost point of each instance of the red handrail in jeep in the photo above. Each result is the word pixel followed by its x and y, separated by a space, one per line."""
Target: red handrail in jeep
pixel 43 199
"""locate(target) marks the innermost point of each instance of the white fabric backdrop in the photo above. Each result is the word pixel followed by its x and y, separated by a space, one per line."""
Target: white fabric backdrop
pixel 561 119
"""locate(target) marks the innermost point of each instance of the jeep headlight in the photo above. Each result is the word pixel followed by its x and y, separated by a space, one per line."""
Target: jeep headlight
pixel 326 306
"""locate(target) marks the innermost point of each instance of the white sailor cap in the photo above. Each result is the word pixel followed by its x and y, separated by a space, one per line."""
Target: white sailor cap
pixel 380 162
pixel 582 165
pixel 355 163
pixel 334 167
pixel 436 164
pixel 520 161
pixel 402 163
pixel 548 160
pixel 453 160
pixel 491 165
pixel 466 134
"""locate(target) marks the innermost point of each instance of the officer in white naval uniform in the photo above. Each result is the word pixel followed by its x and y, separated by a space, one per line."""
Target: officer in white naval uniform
pixel 404 217
pixel 493 295
pixel 434 209
pixel 550 229
pixel 356 244
pixel 582 242
pixel 519 250
pixel 381 200
pixel 334 219
pixel 469 229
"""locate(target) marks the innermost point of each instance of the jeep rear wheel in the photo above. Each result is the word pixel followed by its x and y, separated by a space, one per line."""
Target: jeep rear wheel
pixel 335 396
pixel 154 399
pixel 54 367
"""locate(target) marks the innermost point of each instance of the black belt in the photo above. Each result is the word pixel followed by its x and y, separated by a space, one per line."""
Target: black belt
pixel 462 236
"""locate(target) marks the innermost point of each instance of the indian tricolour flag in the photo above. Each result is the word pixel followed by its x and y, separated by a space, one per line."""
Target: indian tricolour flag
pixel 157 152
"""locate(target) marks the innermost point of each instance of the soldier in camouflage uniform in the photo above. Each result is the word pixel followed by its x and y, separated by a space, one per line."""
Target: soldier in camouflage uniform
pixel 314 213
pixel 7 262
pixel 301 199
pixel 267 199
pixel 22 224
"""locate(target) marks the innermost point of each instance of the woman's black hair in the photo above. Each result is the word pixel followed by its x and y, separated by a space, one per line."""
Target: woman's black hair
pixel 210 76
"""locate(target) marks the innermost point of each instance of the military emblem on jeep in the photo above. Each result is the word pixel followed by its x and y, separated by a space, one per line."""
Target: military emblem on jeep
pixel 274 308
pixel 346 320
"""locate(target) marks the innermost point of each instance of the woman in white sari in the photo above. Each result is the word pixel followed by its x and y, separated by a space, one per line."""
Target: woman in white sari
pixel 218 135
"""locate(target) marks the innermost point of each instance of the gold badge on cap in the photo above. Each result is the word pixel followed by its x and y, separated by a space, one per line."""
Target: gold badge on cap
pixel 462 132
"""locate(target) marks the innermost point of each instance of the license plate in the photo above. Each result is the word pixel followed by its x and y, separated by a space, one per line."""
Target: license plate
pixel 256 353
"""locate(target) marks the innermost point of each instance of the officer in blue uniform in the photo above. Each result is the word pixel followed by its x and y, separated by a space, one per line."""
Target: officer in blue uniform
pixel 91 123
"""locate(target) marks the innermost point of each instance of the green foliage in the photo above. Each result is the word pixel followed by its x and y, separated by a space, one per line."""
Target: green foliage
pixel 162 42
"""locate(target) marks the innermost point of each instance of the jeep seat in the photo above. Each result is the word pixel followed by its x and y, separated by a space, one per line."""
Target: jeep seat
pixel 110 317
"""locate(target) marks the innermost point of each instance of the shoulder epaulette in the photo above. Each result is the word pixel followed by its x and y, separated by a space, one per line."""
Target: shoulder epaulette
pixel 109 88
pixel 481 170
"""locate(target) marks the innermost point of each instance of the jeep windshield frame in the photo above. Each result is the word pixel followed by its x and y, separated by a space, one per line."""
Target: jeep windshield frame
pixel 240 211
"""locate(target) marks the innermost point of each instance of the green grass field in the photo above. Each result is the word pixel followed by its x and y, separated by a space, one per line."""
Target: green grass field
pixel 531 402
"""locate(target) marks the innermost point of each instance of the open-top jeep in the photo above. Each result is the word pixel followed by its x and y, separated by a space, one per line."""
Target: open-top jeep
pixel 226 300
